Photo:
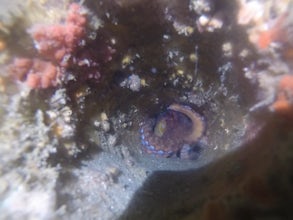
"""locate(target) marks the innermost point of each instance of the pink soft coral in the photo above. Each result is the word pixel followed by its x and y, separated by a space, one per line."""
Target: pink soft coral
pixel 58 40
pixel 35 72
pixel 55 43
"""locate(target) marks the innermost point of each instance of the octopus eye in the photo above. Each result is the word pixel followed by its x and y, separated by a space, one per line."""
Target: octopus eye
pixel 160 128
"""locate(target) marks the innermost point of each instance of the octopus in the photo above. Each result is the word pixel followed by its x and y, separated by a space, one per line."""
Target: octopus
pixel 173 133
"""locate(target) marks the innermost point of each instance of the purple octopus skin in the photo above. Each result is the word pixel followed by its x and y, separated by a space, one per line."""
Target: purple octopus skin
pixel 172 132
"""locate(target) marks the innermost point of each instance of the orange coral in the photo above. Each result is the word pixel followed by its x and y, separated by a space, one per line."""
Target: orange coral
pixel 277 33
pixel 284 101
pixel 265 39
pixel 280 31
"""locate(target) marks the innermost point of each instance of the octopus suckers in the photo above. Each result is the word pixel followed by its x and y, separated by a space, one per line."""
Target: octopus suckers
pixel 176 127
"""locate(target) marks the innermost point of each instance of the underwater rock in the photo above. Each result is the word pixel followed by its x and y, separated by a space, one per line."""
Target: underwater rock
pixel 133 82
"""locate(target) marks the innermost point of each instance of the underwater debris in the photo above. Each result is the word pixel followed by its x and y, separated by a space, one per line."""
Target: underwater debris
pixel 133 82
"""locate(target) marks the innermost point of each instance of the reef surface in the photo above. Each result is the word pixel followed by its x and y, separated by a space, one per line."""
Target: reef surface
pixel 108 106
